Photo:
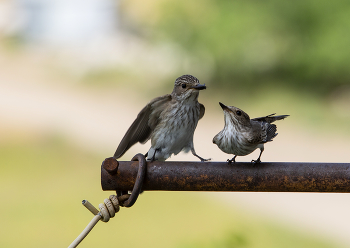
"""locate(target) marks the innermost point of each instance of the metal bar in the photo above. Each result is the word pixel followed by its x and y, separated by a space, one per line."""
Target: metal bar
pixel 221 176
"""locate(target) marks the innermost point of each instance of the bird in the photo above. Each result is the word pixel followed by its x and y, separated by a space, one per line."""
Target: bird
pixel 169 121
pixel 242 135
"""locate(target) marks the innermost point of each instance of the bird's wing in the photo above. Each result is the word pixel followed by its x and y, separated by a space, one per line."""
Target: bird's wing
pixel 261 132
pixel 142 127
pixel 202 111
pixel 270 118
pixel 270 131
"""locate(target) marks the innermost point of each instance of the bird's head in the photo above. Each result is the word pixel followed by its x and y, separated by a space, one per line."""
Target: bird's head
pixel 187 87
pixel 235 115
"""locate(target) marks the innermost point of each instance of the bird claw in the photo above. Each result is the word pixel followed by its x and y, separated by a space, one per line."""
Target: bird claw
pixel 229 161
pixel 258 161
pixel 204 160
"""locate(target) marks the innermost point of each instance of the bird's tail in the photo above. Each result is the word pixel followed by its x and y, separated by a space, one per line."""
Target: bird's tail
pixel 270 118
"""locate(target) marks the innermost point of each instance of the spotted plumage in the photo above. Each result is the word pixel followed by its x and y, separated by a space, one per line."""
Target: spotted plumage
pixel 242 135
pixel 169 121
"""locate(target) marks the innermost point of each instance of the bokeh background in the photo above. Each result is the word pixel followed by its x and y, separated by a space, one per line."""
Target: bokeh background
pixel 74 74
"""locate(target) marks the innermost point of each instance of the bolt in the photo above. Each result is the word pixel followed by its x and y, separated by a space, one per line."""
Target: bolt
pixel 111 165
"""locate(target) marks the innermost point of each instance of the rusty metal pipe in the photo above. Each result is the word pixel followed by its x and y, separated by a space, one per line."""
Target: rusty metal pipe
pixel 221 176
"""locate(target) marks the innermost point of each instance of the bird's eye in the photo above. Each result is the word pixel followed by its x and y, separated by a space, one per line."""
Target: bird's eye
pixel 183 85
pixel 238 112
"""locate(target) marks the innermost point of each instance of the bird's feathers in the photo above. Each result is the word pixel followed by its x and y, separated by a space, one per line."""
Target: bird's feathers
pixel 270 118
pixel 262 131
pixel 201 111
pixel 242 135
pixel 271 132
pixel 145 122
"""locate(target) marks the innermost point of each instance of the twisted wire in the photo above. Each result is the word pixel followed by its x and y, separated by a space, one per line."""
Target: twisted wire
pixel 111 205
pixel 108 209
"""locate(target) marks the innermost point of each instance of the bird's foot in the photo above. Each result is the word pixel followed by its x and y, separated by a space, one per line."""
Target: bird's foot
pixel 230 161
pixel 233 160
pixel 204 160
pixel 148 159
pixel 258 161
pixel 153 157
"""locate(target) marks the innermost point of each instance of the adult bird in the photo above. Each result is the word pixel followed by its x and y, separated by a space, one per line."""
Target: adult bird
pixel 169 121
pixel 242 135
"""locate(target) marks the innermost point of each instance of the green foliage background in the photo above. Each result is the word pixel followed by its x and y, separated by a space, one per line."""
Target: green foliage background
pixel 303 44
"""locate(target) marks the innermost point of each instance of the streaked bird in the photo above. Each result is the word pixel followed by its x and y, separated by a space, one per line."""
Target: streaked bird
pixel 242 135
pixel 169 121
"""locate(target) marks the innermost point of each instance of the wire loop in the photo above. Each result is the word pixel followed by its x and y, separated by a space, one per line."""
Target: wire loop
pixel 111 206
pixel 139 180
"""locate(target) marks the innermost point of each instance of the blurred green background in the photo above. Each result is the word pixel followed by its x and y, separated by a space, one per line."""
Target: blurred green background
pixel 74 74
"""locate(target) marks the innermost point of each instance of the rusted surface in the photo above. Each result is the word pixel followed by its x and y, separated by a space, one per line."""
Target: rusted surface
pixel 111 165
pixel 220 176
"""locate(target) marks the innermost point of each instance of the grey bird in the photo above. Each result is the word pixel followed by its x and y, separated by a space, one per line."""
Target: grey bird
pixel 169 121
pixel 242 135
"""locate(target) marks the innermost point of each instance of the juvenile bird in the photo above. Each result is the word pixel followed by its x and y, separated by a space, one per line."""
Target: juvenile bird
pixel 169 121
pixel 242 135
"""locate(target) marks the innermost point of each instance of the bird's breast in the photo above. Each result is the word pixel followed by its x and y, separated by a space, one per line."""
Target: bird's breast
pixel 232 141
pixel 176 127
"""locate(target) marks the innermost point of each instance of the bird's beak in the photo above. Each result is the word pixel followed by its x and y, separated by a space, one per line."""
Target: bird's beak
pixel 199 87
pixel 223 106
